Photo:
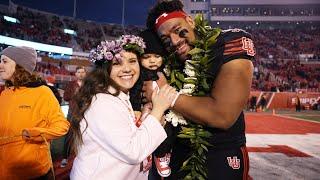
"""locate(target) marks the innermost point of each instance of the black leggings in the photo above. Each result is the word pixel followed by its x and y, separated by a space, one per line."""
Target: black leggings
pixel 66 145
pixel 167 144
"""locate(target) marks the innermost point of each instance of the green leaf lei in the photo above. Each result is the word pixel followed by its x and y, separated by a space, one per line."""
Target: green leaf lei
pixel 194 81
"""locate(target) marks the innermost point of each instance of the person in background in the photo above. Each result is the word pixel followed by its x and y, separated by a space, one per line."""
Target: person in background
pixel 313 104
pixel 74 86
pixel 263 103
pixel 298 104
pixel 70 90
pixel 30 118
pixel 109 142
pixel 253 104
pixel 50 81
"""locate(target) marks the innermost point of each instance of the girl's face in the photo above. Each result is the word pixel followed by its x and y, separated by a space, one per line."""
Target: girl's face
pixel 151 61
pixel 125 72
pixel 7 68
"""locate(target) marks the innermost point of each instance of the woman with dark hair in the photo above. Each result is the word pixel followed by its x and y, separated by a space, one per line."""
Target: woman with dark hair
pixel 30 117
pixel 110 143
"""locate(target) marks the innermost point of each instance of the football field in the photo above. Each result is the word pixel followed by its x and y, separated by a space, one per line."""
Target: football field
pixel 282 147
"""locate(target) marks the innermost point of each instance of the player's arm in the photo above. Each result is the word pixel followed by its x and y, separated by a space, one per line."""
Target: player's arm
pixel 228 97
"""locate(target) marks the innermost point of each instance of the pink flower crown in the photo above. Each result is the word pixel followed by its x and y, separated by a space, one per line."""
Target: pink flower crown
pixel 108 50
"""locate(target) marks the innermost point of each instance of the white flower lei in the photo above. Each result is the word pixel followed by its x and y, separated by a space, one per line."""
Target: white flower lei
pixel 191 73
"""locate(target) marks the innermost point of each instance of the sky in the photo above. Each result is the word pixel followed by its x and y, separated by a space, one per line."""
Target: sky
pixel 108 11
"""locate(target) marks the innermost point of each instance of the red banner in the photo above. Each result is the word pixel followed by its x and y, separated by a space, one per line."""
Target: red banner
pixel 287 100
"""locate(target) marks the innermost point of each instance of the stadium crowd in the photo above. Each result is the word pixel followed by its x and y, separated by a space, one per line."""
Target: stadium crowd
pixel 279 64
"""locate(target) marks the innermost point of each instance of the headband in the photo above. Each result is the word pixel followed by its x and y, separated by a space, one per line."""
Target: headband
pixel 166 16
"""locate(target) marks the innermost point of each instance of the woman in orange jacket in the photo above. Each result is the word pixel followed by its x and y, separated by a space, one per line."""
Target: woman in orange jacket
pixel 30 116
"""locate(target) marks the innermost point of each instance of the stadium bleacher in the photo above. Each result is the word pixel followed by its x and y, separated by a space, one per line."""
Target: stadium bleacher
pixel 283 55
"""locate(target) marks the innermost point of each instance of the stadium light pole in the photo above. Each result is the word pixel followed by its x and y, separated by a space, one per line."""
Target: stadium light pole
pixel 122 21
pixel 74 9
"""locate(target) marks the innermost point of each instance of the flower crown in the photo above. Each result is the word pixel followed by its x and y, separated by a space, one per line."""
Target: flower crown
pixel 107 50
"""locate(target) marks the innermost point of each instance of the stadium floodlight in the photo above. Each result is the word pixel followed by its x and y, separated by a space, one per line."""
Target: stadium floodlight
pixel 38 46
pixel 11 19
pixel 59 56
pixel 70 31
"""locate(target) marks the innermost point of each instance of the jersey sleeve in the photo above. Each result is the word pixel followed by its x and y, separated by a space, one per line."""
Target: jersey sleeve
pixel 238 44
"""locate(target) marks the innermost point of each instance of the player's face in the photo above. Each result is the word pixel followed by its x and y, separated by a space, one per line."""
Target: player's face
pixel 151 61
pixel 125 72
pixel 177 35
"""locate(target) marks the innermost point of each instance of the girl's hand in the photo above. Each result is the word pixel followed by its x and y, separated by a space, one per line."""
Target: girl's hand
pixel 162 100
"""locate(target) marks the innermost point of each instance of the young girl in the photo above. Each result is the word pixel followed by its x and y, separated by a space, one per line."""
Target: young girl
pixel 106 139
pixel 152 62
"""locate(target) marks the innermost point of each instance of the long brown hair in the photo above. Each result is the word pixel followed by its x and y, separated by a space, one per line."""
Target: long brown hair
pixel 97 81
pixel 22 77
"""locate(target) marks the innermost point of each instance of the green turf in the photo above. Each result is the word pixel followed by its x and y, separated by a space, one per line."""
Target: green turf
pixel 313 115
pixel 309 117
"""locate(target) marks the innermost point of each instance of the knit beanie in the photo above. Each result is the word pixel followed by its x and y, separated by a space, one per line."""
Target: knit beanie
pixel 24 56
pixel 153 43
